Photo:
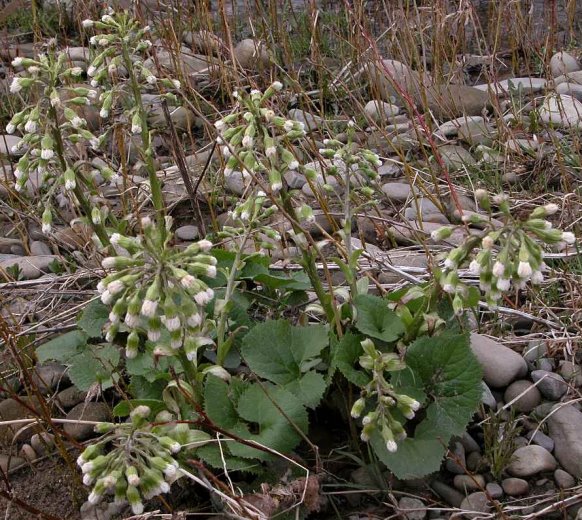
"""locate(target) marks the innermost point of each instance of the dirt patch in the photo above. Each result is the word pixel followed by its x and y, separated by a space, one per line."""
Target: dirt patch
pixel 49 487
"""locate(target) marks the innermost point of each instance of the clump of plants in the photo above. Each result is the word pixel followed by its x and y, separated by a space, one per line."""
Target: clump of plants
pixel 177 323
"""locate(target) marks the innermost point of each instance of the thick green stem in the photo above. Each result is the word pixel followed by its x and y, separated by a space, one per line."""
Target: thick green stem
pixel 79 193
pixel 155 184
pixel 223 346
pixel 310 266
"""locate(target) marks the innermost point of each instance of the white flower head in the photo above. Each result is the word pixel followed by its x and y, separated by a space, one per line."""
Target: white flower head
pixel 76 71
pixel 135 129
pixel 524 270
pixel 91 71
pixel 87 23
pixel 194 320
pixel 104 113
pixel 202 298
pixel 498 269
pixel 154 335
pixel 70 184
pixel 15 86
pixel 487 242
pixel 503 284
pixel 176 83
pixel 537 277
pixel 106 18
pixel 77 122
pixel 31 126
pixel 247 141
pixel 289 125
pixel 47 154
pixel 151 79
pixel 149 308
pixel 271 151
pixel 551 209
pixel 115 287
pixel 17 62
pixel 46 228
pixel 450 264
pixel 568 237
pixel 10 128
pixel 103 42
pixel 172 324
pixel 205 245
pixel 293 165
pixel 131 320
pixel 475 267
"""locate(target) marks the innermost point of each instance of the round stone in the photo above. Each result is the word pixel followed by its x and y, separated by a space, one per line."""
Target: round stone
pixel 187 233
pixel 528 401
pixel 531 460
pixel 515 487
pixel 412 508
pixel 563 479
pixel 466 483
pixel 551 385
pixel 476 503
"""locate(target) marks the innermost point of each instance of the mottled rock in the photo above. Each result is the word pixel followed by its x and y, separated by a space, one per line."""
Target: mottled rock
pixel 530 460
pixel 528 401
pixel 311 121
pixel 500 364
pixel 466 483
pixel 11 409
pixel 49 377
pixel 475 503
pixel 563 479
pixel 237 182
pixel 515 487
pixel 7 143
pixel 456 462
pixel 456 157
pixel 380 111
pixel 561 110
pixel 251 54
pixel 187 233
pixel 70 397
pixel 450 495
pixel 39 248
pixel 42 443
pixel 563 63
pixel 9 462
pixel 571 372
pixel 455 100
pixel 86 412
pixel 31 267
pixel 494 490
pixel 397 191
pixel 551 385
pixel 541 439
pixel 412 509
pixel 570 89
pixel 565 425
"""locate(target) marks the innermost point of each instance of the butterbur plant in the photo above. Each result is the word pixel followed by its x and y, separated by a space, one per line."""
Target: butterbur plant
pixel 50 126
pixel 504 256
pixel 134 461
pixel 155 290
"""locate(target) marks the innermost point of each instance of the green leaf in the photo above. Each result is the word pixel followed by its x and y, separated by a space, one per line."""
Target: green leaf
pixel 141 388
pixel 63 347
pixel 124 408
pixel 375 319
pixel 297 282
pixel 218 404
pixel 345 355
pixel 277 351
pixel 265 412
pixel 444 368
pixel 212 455
pixel 93 318
pixel 309 388
pixel 95 365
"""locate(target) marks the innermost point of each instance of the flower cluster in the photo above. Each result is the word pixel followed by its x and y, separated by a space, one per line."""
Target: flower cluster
pixel 382 418
pixel 155 288
pixel 254 140
pixel 122 42
pixel 50 125
pixel 135 461
pixel 359 164
pixel 502 257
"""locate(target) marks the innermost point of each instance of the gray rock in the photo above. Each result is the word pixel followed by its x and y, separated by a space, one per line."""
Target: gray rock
pixel 515 487
pixel 70 397
pixel 516 145
pixel 390 77
pixel 252 54
pixel 86 412
pixel 39 248
pixel 541 439
pixel 456 462
pixel 311 121
pixel 531 460
pixel 487 397
pixel 561 110
pixel 475 503
pixel 469 443
pixel 380 111
pixel 27 453
pixel 9 462
pixel 494 490
pixel 397 191
pixel 7 142
pixel 570 89
pixel 500 364
pixel 456 157
pixel 474 461
pixel 571 372
pixel 466 483
pixel 450 495
pixel 295 180
pixel 565 425
pixel 528 401
pixel 390 169
pixel 551 385
pixel 187 233
pixel 49 377
pixel 563 63
pixel 527 85
pixel 31 267
pixel 11 409
pixel 451 100
pixel 236 182
pixel 419 209
pixel 412 509
pixel 42 443
pixel 563 479
pixel 472 129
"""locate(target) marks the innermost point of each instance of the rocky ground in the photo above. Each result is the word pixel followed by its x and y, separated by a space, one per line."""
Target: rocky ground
pixel 522 455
